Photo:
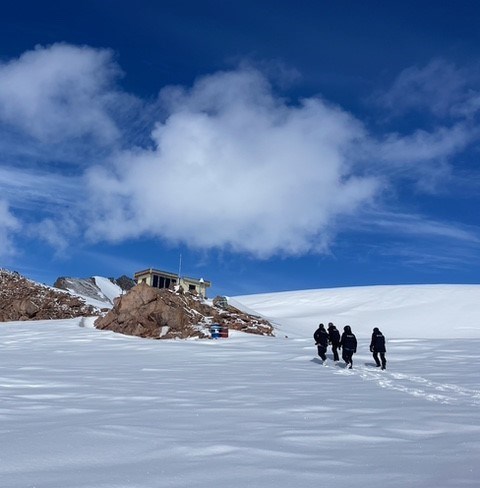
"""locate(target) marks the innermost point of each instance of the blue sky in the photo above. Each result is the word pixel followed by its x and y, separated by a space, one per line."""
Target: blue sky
pixel 274 145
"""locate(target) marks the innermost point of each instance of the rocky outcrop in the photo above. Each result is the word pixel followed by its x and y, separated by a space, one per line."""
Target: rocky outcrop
pixel 22 299
pixel 165 314
pixel 220 302
pixel 93 289
pixel 85 287
pixel 124 282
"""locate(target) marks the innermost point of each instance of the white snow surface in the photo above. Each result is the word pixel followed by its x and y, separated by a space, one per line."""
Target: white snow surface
pixel 399 311
pixel 109 289
pixel 83 408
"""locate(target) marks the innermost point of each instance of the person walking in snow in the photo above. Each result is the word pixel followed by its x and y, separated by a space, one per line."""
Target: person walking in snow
pixel 334 340
pixel 321 341
pixel 377 346
pixel 348 343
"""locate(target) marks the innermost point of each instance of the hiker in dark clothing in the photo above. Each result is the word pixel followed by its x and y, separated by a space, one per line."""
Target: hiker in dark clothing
pixel 377 346
pixel 321 341
pixel 348 343
pixel 334 340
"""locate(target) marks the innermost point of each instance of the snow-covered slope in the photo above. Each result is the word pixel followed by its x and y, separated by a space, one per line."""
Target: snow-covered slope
pixel 109 290
pixel 406 311
pixel 97 291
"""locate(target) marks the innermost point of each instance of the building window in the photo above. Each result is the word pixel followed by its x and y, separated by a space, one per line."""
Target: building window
pixel 191 288
pixel 155 281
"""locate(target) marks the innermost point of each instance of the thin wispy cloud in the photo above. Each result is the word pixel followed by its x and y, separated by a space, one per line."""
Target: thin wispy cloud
pixel 32 189
pixel 439 87
pixel 422 146
pixel 440 102
pixel 419 225
pixel 431 256
pixel 9 224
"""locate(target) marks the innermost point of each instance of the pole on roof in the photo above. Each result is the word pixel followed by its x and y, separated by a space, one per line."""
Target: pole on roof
pixel 180 268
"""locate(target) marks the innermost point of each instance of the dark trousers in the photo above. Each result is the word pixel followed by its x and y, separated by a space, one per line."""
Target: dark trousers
pixel 335 352
pixel 383 364
pixel 322 352
pixel 347 355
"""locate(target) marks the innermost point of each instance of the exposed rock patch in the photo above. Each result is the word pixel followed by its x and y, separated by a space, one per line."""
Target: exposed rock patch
pixel 93 289
pixel 22 299
pixel 164 314
pixel 85 287
pixel 124 282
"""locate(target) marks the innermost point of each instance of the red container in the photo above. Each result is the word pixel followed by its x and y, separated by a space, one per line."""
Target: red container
pixel 224 332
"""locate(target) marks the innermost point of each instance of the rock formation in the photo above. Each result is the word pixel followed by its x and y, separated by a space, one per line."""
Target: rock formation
pixel 164 314
pixel 84 287
pixel 143 311
pixel 22 299
pixel 92 291
pixel 124 282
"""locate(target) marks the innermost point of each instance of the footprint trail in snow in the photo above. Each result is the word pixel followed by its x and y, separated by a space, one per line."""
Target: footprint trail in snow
pixel 416 386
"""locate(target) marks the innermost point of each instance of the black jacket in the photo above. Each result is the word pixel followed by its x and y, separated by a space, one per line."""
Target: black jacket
pixel 321 337
pixel 378 342
pixel 349 341
pixel 334 336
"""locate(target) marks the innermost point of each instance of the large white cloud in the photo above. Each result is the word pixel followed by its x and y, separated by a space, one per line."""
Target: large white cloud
pixel 235 167
pixel 58 92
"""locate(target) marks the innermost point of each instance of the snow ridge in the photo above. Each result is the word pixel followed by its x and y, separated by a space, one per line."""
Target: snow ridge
pixel 400 311
pixel 97 291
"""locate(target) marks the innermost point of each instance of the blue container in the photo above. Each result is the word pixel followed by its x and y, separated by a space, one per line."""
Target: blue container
pixel 215 331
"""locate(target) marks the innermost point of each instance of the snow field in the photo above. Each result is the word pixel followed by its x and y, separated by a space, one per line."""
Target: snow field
pixel 86 408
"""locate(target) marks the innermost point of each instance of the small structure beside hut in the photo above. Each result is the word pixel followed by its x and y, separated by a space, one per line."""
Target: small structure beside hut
pixel 163 279
pixel 220 301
